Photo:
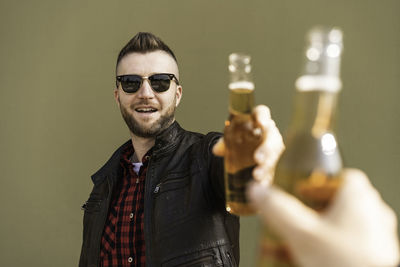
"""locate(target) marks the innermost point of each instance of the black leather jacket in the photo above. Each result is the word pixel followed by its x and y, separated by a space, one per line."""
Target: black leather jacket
pixel 185 222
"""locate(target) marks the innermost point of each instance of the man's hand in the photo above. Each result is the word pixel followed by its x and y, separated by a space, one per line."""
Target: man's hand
pixel 268 153
pixel 358 230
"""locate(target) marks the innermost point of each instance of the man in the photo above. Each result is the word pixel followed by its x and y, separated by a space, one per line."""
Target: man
pixel 159 200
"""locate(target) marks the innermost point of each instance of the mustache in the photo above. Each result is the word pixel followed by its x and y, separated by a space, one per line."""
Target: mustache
pixel 144 103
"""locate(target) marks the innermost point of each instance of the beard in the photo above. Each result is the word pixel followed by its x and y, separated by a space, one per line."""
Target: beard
pixel 155 128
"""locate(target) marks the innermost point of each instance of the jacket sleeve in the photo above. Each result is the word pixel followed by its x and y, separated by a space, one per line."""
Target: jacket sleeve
pixel 215 167
pixel 217 181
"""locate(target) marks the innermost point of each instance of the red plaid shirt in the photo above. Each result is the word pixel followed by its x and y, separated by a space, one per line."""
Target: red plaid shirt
pixel 122 244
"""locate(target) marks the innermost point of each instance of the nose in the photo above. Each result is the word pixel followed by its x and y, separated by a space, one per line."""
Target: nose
pixel 145 90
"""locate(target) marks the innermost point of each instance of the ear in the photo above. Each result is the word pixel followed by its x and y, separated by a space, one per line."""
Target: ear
pixel 178 95
pixel 116 96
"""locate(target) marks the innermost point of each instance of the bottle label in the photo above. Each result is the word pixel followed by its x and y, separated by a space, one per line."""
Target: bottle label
pixel 237 183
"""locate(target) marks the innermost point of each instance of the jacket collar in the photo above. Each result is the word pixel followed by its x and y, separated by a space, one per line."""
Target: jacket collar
pixel 111 167
pixel 165 140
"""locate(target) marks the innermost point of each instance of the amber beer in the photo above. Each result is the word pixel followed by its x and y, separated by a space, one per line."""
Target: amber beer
pixel 242 135
pixel 310 166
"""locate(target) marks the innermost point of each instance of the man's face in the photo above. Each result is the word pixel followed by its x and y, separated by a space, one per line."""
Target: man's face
pixel 147 112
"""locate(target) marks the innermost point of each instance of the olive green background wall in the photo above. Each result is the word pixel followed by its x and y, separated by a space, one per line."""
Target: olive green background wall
pixel 59 122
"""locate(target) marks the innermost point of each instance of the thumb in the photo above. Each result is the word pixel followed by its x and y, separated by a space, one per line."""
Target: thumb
pixel 285 214
pixel 219 148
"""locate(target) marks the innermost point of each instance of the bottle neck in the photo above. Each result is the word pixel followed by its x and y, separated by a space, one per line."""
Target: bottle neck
pixel 241 101
pixel 314 112
pixel 241 86
pixel 319 85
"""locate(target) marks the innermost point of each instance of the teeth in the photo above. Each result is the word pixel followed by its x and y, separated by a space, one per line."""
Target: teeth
pixel 146 110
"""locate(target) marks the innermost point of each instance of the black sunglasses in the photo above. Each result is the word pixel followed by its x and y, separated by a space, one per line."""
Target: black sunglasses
pixel 160 82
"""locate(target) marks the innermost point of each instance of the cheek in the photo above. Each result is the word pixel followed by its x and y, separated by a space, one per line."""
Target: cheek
pixel 168 100
pixel 125 101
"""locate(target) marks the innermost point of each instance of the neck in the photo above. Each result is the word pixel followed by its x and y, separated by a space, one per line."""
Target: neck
pixel 314 112
pixel 141 145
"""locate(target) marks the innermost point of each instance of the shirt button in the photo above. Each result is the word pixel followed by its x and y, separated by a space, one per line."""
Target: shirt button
pixel 130 259
pixel 131 215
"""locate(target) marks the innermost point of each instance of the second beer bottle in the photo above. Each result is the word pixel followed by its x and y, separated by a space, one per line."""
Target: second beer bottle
pixel 242 135
pixel 310 167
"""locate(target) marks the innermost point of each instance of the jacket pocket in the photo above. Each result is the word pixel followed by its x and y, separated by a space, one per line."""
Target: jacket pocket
pixel 92 205
pixel 92 208
pixel 171 183
pixel 171 201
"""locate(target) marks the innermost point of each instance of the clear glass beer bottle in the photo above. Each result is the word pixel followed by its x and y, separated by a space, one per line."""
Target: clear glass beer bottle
pixel 242 135
pixel 310 166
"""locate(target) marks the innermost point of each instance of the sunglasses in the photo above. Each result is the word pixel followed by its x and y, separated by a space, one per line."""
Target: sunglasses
pixel 159 82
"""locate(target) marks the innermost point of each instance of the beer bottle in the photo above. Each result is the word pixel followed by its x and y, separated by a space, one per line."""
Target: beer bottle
pixel 242 135
pixel 310 166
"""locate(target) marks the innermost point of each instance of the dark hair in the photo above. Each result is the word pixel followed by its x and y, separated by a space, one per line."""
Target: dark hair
pixel 144 42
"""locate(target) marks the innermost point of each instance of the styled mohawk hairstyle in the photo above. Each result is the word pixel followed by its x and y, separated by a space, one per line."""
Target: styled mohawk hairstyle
pixel 144 42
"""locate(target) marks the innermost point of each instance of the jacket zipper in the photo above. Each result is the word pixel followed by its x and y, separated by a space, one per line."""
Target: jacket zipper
pixel 149 207
pixel 96 205
pixel 158 186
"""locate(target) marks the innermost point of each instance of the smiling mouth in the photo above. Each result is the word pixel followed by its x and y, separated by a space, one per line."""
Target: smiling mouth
pixel 145 110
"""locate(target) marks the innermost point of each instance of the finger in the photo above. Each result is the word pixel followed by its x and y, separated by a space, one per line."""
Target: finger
pixel 262 115
pixel 285 214
pixel 273 141
pixel 352 195
pixel 219 148
pixel 359 208
pixel 358 196
pixel 271 148
pixel 267 155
